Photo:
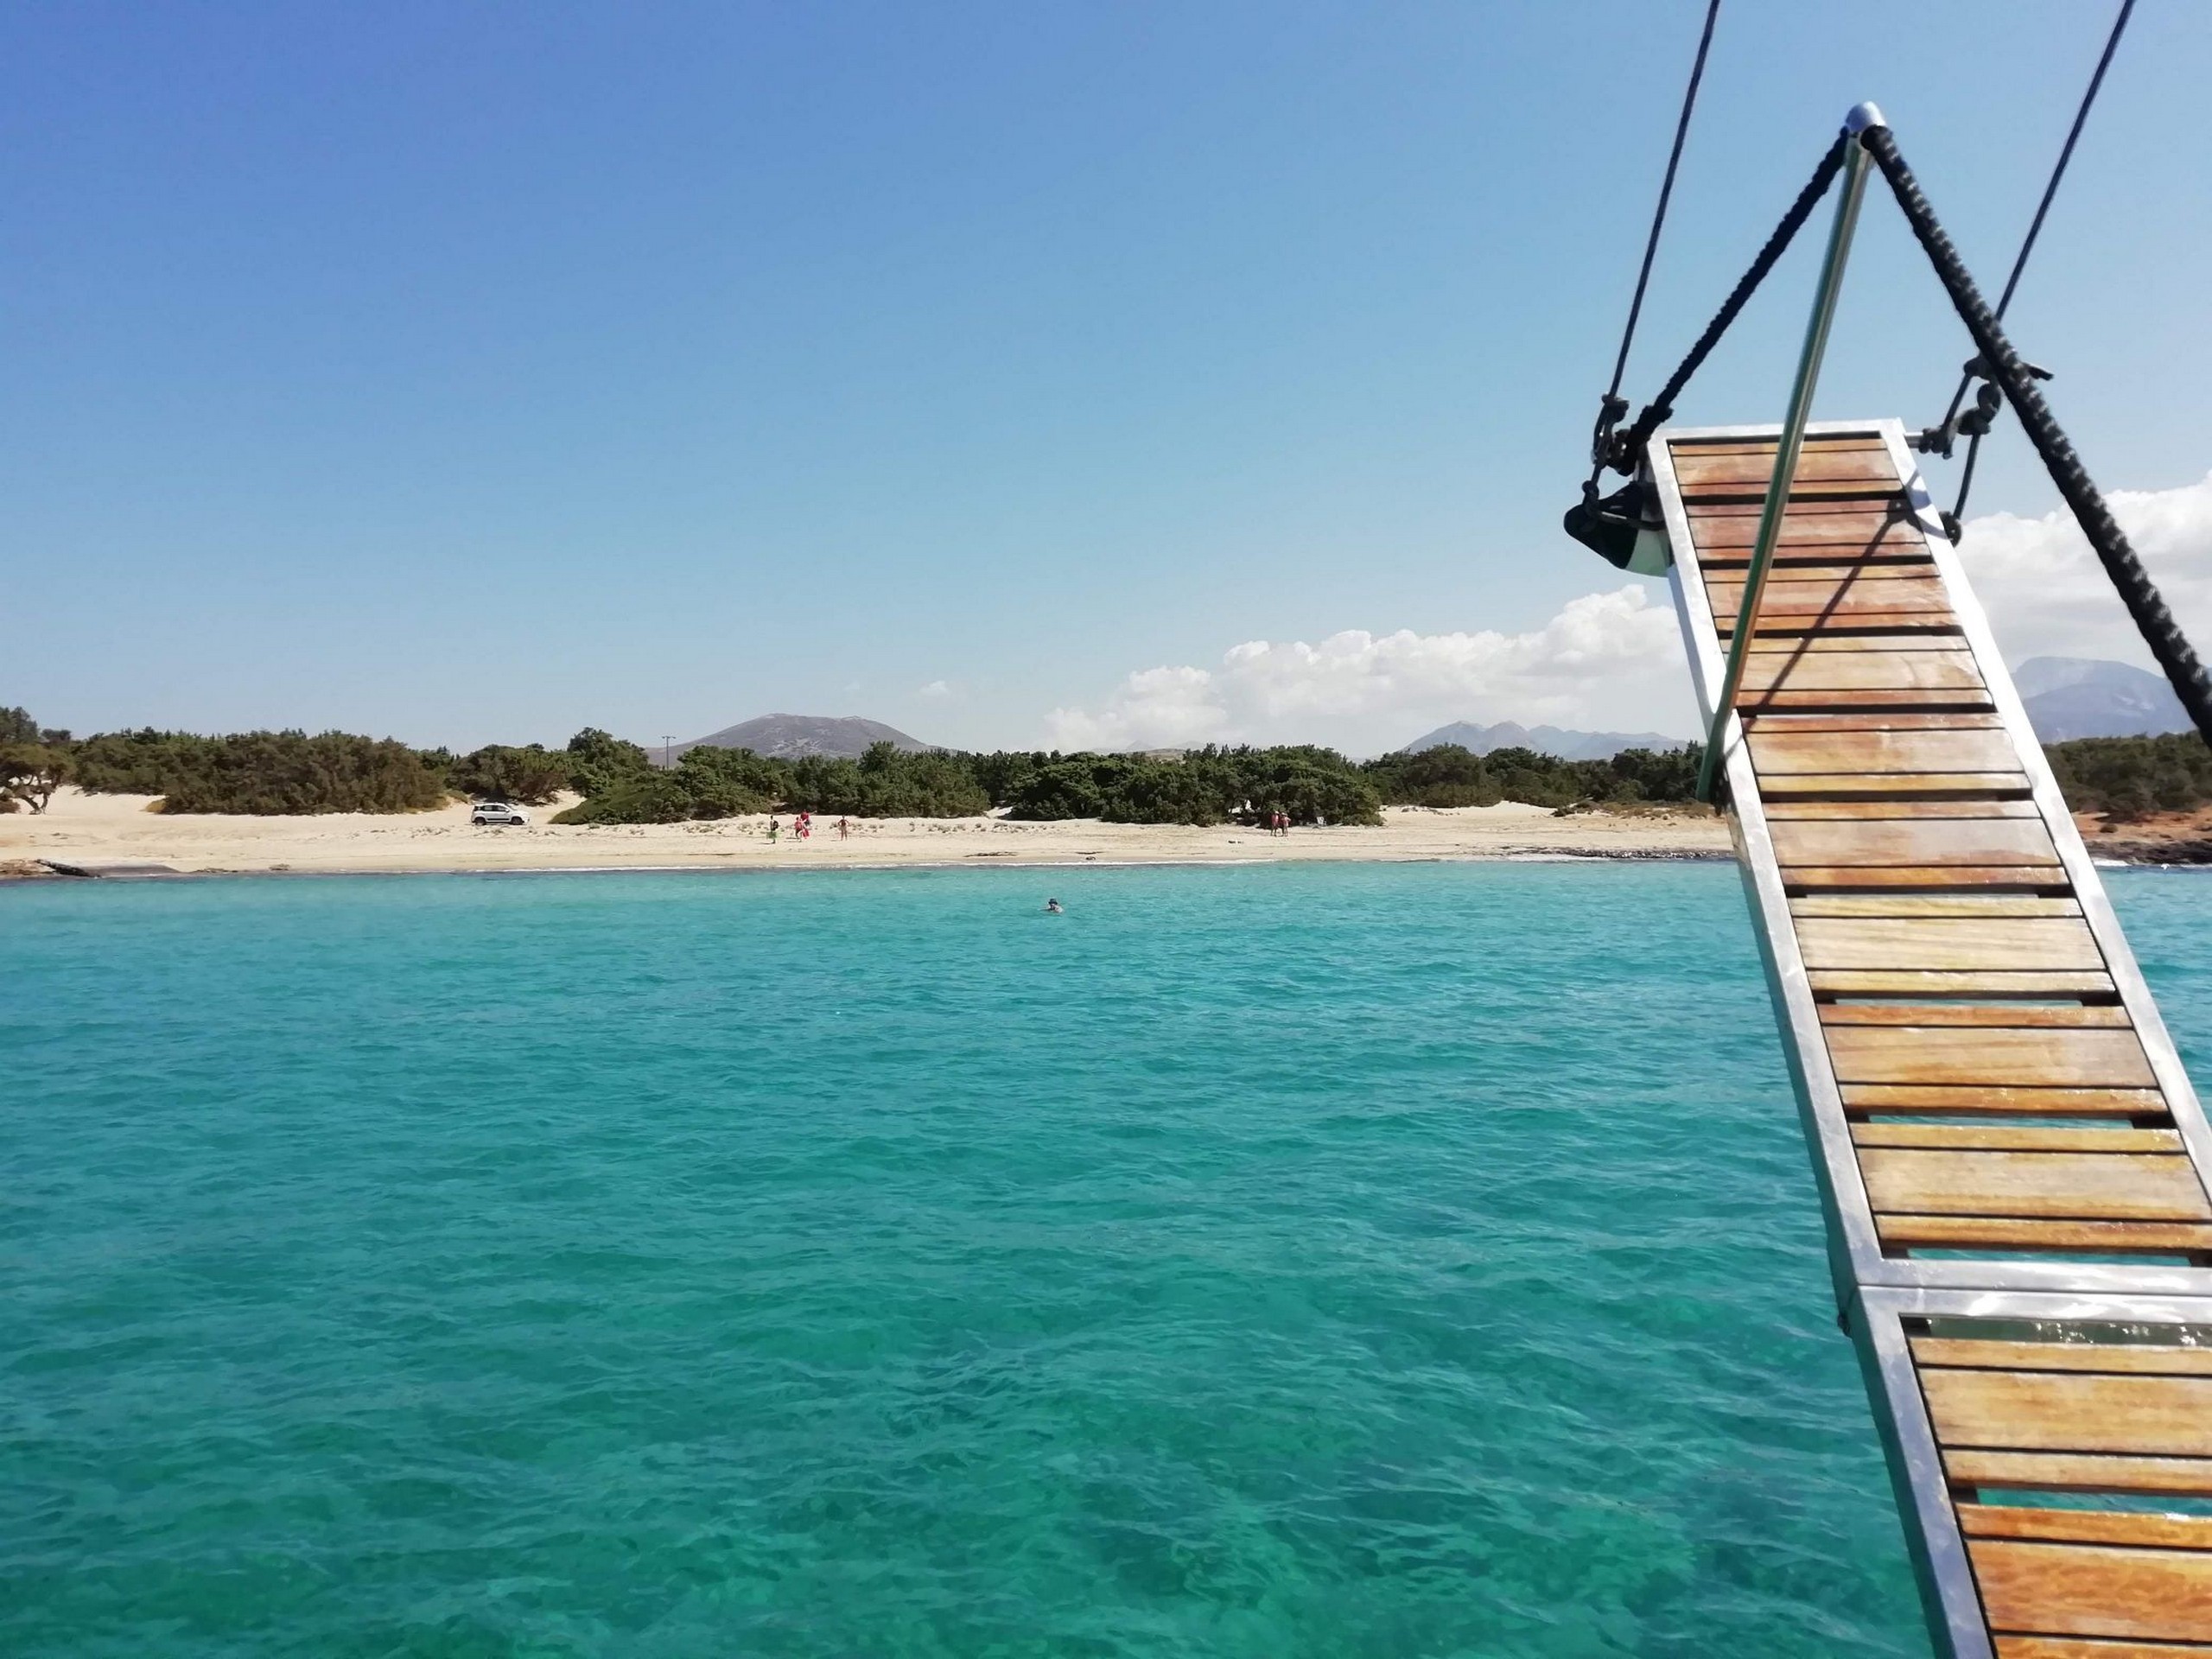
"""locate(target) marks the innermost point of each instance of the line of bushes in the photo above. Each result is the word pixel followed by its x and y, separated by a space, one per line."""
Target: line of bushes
pixel 262 774
pixel 291 772
pixel 1209 787
pixel 1451 776
pixel 269 772
pixel 1204 786
pixel 2128 779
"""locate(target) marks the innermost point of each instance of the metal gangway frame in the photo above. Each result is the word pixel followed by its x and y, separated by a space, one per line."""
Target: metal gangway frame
pixel 2013 1168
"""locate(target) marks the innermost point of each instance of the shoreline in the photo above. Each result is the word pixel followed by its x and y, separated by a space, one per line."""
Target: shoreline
pixel 109 836
pixel 117 836
pixel 14 871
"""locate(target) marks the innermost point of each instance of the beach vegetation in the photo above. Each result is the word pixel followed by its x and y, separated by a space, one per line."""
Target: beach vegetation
pixel 598 761
pixel 1052 786
pixel 711 782
pixel 657 798
pixel 273 774
pixel 261 774
pixel 498 771
pixel 2129 779
pixel 707 783
pixel 1306 784
pixel 144 762
pixel 1658 774
pixel 1449 775
pixel 2124 779
pixel 1201 787
pixel 884 783
pixel 30 773
pixel 732 781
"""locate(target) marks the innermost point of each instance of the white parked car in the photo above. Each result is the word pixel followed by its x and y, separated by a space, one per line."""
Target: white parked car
pixel 495 812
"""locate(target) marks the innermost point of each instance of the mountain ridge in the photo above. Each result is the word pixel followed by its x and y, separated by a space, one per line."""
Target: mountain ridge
pixel 2067 698
pixel 790 737
pixel 1562 743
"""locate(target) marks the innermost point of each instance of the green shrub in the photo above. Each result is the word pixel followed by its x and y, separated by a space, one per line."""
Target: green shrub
pixel 661 798
pixel 1059 789
pixel 1308 785
pixel 1209 785
pixel 1450 776
pixel 30 774
pixel 732 781
pixel 260 773
pixel 268 773
pixel 598 761
pixel 144 762
pixel 887 784
pixel 707 783
pixel 2130 778
pixel 532 774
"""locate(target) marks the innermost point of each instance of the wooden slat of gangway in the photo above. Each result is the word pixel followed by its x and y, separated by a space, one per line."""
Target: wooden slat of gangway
pixel 2012 1161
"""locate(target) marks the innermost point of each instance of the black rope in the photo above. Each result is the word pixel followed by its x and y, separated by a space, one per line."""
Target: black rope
pixel 1627 451
pixel 2027 247
pixel 1612 407
pixel 1612 525
pixel 2012 377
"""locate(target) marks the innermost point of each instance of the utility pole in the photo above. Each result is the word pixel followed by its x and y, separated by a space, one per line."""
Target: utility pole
pixel 667 741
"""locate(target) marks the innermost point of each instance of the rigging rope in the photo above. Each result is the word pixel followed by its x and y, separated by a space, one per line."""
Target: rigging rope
pixel 1609 526
pixel 2016 379
pixel 1612 407
pixel 1629 448
pixel 1613 525
pixel 1940 437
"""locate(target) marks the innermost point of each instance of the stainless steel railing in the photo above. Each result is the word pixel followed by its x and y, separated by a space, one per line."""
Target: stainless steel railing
pixel 1792 444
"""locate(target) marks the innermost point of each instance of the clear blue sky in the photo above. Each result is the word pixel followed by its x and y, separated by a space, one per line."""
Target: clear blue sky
pixel 473 372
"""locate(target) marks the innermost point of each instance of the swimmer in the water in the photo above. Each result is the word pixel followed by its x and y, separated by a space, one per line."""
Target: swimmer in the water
pixel 1052 907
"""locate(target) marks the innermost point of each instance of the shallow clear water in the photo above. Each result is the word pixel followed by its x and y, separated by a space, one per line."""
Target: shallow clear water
pixel 1267 1262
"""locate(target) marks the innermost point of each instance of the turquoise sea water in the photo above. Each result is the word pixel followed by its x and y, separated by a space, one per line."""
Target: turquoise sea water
pixel 1266 1262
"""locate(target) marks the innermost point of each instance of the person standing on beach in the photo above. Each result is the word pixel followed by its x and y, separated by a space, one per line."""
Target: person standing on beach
pixel 844 829
pixel 774 830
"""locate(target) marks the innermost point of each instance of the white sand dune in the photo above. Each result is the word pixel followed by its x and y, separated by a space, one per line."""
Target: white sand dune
pixel 93 832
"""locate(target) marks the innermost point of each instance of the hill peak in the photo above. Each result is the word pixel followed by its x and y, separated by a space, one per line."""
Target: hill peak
pixel 789 737
pixel 1544 740
pixel 2084 696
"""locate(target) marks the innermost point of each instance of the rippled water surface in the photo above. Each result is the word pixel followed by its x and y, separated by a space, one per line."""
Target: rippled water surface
pixel 1264 1262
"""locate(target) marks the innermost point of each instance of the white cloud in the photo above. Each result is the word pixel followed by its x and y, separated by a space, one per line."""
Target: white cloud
pixel 1154 707
pixel 1606 658
pixel 2047 595
pixel 1614 660
pixel 937 689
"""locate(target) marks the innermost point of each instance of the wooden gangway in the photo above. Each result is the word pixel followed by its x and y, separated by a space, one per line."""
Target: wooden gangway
pixel 2013 1163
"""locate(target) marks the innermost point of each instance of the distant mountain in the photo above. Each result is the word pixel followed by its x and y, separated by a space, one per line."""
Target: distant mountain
pixel 1544 740
pixel 787 737
pixel 2079 696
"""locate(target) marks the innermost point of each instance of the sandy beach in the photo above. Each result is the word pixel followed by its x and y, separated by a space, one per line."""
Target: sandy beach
pixel 98 833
